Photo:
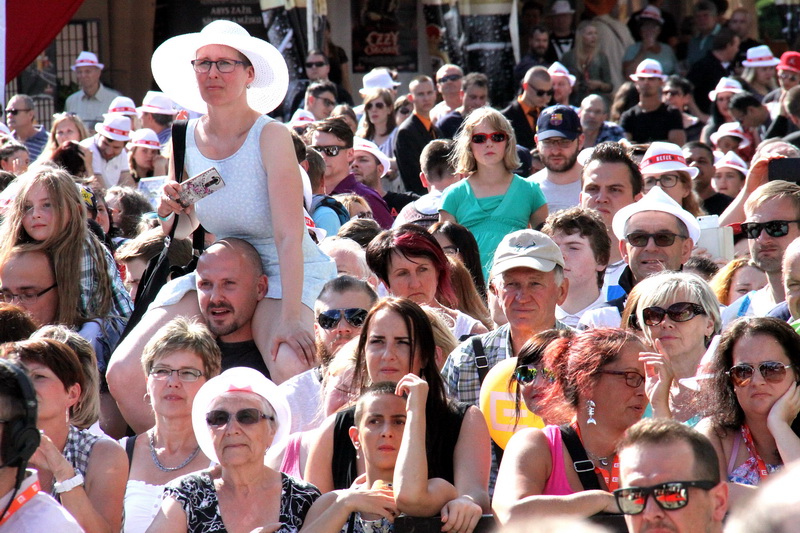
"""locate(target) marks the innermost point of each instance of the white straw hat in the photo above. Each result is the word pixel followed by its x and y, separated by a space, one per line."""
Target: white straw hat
pixel 760 56
pixel 377 78
pixel 123 106
pixel 158 103
pixel 655 200
pixel 174 74
pixel 372 148
pixel 244 380
pixel 144 138
pixel 87 59
pixel 662 157
pixel 557 69
pixel 649 68
pixel 732 129
pixel 732 160
pixel 115 127
pixel 725 85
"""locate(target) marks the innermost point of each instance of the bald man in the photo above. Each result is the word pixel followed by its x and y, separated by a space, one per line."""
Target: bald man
pixel 537 91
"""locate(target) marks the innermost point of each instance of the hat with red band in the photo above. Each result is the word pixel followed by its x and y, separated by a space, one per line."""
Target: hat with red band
pixel 115 127
pixel 725 85
pixel 760 56
pixel 732 160
pixel 157 103
pixel 144 138
pixel 730 129
pixel 662 157
pixel 87 59
pixel 655 200
pixel 557 69
pixel 649 68
pixel 122 105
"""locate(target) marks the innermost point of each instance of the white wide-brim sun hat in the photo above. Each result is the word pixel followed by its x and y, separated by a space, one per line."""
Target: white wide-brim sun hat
pixel 174 74
pixel 239 380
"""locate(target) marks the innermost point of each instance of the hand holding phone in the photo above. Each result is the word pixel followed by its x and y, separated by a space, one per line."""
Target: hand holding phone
pixel 198 187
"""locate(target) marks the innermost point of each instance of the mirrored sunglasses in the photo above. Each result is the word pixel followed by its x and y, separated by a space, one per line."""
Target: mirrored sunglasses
pixel 669 496
pixel 331 151
pixel 526 374
pixel 774 228
pixel 355 316
pixel 771 371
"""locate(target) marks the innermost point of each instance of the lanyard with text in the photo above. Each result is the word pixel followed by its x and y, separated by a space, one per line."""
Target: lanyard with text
pixel 612 478
pixel 751 447
pixel 22 498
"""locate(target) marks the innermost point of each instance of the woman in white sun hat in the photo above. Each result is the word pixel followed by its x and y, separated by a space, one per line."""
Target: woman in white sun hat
pixel 234 79
pixel 665 166
pixel 729 178
pixel 730 137
pixel 144 155
pixel 720 114
pixel 759 71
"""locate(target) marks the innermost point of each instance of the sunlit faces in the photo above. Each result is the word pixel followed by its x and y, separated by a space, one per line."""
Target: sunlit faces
pixel 18 115
pixel 607 188
pixel 475 98
pixel 236 443
pixel 559 154
pixel 788 79
pixel 580 265
pixel 703 160
pixel 538 92
pixel 539 42
pixel 338 165
pixel 29 274
pixel 88 77
pixel 388 348
pixel 651 258
pixel 728 181
pixel 67 131
pixel 649 86
pixel 378 111
pixel 449 81
pixel 765 75
pixel 681 189
pixel 681 338
pixel 380 431
pixel 561 89
pixel 423 97
pixel 767 252
pixel 172 396
pixel 593 113
pixel 52 396
pixel 791 284
pixel 490 152
pixel 728 143
pixel 217 88
pixel 40 220
pixel 144 157
pixel 529 297
pixel 365 168
pixel 618 404
pixel 317 67
pixel 134 268
pixel 758 396
pixel 321 105
pixel 748 278
pixel 415 278
pixel 108 148
pixel 344 331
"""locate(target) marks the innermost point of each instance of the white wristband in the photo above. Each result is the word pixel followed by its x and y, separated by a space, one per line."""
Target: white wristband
pixel 69 484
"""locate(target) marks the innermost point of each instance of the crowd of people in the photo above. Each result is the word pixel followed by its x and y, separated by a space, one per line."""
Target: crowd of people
pixel 309 335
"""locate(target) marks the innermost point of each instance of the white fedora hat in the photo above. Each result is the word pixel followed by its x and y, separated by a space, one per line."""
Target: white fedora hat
pixel 87 59
pixel 649 68
pixel 725 85
pixel 144 138
pixel 174 74
pixel 115 127
pixel 557 69
pixel 122 105
pixel 655 200
pixel 732 160
pixel 663 157
pixel 158 103
pixel 561 7
pixel 372 148
pixel 377 78
pixel 760 56
pixel 732 129
pixel 238 380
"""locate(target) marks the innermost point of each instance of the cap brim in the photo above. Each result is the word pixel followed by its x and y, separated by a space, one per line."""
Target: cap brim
pixel 769 63
pixel 624 214
pixel 549 134
pixel 542 265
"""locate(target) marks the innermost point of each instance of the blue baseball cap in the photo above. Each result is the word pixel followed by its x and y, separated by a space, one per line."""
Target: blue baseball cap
pixel 558 121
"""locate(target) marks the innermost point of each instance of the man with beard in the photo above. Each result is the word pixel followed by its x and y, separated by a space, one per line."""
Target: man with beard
pixel 772 222
pixel 340 311
pixel 537 56
pixel 559 138
pixel 651 119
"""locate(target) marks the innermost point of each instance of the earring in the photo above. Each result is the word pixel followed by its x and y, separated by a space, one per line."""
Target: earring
pixel 590 406
pixel 248 86
pixel 146 398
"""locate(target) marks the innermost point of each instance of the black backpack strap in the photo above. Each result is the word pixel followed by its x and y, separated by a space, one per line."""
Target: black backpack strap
pixel 580 461
pixel 179 147
pixel 481 361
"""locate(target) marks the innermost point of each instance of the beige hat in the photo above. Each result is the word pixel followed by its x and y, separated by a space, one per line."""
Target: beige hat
pixel 529 249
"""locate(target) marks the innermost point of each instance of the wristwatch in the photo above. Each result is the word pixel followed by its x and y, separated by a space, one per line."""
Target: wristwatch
pixel 69 484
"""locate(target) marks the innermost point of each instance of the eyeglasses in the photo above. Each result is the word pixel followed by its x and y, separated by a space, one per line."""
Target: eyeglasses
pixel 329 319
pixel 632 379
pixel 315 64
pixel 27 297
pixel 662 239
pixel 526 374
pixel 495 136
pixel 562 143
pixel 450 77
pixel 677 312
pixel 187 375
pixel 376 105
pixel 771 371
pixel 541 93
pixel 246 417
pixel 666 181
pixel 450 250
pixel 787 77
pixel 327 101
pixel 669 496
pixel 15 112
pixel 774 228
pixel 404 110
pixel 331 151
pixel 225 66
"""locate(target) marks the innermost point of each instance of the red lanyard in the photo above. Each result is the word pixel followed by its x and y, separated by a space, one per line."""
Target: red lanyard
pixel 751 448
pixel 21 499
pixel 611 478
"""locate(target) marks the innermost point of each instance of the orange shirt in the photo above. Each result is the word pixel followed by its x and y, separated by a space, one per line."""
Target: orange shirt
pixel 527 110
pixel 425 121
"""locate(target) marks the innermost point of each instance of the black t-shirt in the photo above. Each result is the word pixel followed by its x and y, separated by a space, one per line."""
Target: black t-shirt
pixel 398 200
pixel 243 353
pixel 653 126
pixel 716 204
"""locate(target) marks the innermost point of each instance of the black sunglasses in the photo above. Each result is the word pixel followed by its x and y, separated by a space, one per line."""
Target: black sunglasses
pixel 312 64
pixel 771 371
pixel 15 112
pixel 404 110
pixel 632 379
pixel 669 496
pixel 331 151
pixel 528 373
pixel 329 319
pixel 246 417
pixel 376 105
pixel 450 77
pixel 639 239
pixel 495 136
pixel 774 228
pixel 541 93
pixel 677 312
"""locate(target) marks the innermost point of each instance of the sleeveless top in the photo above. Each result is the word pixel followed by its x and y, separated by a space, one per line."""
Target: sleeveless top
pixel 747 472
pixel 142 503
pixel 77 451
pixel 198 497
pixel 242 209
pixel 440 445
pixel 557 484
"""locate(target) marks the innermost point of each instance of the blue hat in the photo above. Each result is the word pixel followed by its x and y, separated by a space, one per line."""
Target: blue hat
pixel 558 121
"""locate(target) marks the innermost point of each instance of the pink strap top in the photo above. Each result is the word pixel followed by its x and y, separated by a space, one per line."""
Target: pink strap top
pixel 291 457
pixel 557 484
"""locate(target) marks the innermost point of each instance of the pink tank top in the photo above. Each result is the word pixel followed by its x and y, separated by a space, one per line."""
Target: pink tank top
pixel 291 457
pixel 557 484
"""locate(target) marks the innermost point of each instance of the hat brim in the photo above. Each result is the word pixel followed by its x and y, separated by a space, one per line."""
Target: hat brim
pixel 549 134
pixel 719 166
pixel 624 214
pixel 155 110
pixel 101 66
pixel 716 136
pixel 98 128
pixel 239 377
pixel 175 76
pixel 635 77
pixel 784 66
pixel 768 63
pixel 542 265
pixel 713 94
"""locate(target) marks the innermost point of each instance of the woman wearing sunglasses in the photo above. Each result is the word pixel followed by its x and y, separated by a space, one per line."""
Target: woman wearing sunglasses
pixel 663 164
pixel 752 399
pixel 237 416
pixel 491 201
pixel 379 125
pixel 396 342
pixel 601 388
pixel 679 315
pixel 180 358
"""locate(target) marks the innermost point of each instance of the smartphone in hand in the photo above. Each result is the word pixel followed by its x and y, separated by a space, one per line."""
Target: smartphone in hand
pixel 198 187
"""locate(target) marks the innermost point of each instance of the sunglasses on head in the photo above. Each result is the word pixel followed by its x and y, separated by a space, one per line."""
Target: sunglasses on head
pixel 329 319
pixel 331 151
pixel 771 371
pixel 677 312
pixel 450 77
pixel 495 136
pixel 376 105
pixel 313 64
pixel 528 373
pixel 246 417
pixel 774 228
pixel 662 239
pixel 669 496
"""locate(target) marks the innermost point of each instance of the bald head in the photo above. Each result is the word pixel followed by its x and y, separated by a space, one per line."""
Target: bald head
pixel 241 248
pixel 593 112
pixel 537 87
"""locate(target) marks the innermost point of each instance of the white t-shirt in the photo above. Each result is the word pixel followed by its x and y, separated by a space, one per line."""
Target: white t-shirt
pixel 558 196
pixel 754 303
pixel 572 319
pixel 110 170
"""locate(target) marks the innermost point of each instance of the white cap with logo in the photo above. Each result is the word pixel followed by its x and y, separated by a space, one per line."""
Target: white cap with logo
pixel 529 249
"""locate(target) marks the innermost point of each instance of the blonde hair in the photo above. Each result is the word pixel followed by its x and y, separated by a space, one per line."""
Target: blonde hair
pixel 462 158
pixel 443 336
pixel 350 199
pixel 52 144
pixel 469 301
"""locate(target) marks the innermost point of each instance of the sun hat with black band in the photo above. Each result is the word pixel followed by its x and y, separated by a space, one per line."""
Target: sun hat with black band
pixel 239 380
pixel 174 74
pixel 526 248
pixel 655 200
pixel 662 157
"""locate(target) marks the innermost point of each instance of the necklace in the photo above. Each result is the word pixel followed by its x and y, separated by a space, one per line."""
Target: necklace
pixel 168 468
pixel 602 460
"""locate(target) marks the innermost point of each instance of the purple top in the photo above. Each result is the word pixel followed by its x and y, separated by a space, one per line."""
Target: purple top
pixel 380 209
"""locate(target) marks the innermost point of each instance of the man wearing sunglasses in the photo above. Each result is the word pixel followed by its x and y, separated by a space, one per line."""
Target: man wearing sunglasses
pixel 415 133
pixel 320 99
pixel 474 94
pixel 559 138
pixel 448 84
pixel 670 479
pixel 537 91
pixel 21 120
pixel 772 222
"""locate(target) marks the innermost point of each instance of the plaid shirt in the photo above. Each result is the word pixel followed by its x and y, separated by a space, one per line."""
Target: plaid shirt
pixel 121 304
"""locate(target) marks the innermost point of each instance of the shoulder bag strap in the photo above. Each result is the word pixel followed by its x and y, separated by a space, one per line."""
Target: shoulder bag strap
pixel 179 131
pixel 580 461
pixel 481 361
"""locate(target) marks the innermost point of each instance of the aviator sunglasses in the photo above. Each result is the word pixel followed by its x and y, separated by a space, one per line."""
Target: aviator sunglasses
pixel 495 136
pixel 669 496
pixel 329 319
pixel 771 371
pixel 677 312
pixel 246 417
pixel 526 374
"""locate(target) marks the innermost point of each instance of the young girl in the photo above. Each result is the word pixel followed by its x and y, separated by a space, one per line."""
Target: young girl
pixel 492 201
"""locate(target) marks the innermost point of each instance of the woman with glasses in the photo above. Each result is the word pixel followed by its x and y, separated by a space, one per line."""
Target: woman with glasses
pixel 752 399
pixel 679 314
pixel 602 385
pixel 379 125
pixel 491 201
pixel 181 357
pixel 84 472
pixel 412 265
pixel 237 416
pixel 402 109
pixel 664 165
